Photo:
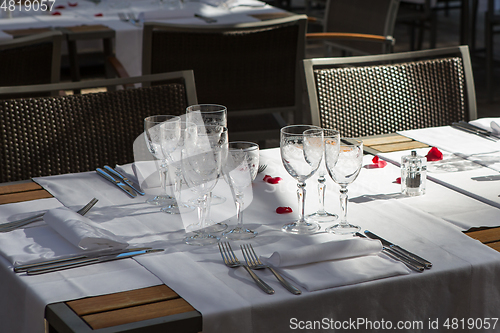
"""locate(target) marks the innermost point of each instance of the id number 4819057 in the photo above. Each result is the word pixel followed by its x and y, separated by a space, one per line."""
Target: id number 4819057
pixel 27 5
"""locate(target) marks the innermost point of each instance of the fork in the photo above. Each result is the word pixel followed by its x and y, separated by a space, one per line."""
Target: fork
pixel 254 262
pixel 261 168
pixel 232 261
pixel 6 227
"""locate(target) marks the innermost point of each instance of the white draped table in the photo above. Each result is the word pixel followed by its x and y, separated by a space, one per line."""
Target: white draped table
pixel 463 282
pixel 128 43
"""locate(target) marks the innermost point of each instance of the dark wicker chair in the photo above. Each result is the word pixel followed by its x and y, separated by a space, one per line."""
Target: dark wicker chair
pixel 253 69
pixel 365 17
pixel 30 60
pixel 67 134
pixel 371 95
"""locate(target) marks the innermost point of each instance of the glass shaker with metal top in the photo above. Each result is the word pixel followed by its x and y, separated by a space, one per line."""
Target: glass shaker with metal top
pixel 413 174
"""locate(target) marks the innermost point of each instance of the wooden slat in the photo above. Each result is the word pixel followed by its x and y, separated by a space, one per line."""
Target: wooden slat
pixel 19 187
pixel 27 32
pixel 88 28
pixel 494 246
pixel 138 313
pixel 383 140
pixel 387 148
pixel 24 196
pixel 122 300
pixel 486 235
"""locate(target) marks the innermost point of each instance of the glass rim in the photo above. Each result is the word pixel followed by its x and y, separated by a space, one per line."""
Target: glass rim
pixel 252 145
pixel 216 108
pixel 287 129
pixel 168 116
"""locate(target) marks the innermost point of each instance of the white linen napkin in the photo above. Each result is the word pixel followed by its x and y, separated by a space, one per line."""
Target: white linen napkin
pixel 489 124
pixel 143 173
pixel 336 263
pixel 165 14
pixel 81 231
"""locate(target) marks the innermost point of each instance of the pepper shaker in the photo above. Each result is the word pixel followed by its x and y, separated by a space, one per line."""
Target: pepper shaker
pixel 413 174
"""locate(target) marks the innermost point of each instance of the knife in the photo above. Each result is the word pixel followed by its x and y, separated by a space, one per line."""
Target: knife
pixel 25 267
pixel 125 179
pixel 427 264
pixel 473 131
pixel 87 261
pixel 410 263
pixel 127 189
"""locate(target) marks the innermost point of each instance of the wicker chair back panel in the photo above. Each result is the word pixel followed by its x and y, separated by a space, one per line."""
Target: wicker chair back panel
pixel 69 134
pixel 361 101
pixel 26 65
pixel 246 70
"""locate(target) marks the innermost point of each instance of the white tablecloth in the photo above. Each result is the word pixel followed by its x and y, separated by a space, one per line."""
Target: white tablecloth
pixel 128 43
pixel 461 284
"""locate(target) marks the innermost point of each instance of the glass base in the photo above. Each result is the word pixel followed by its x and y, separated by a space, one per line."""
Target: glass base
pixel 340 229
pixel 301 228
pixel 240 234
pixel 323 217
pixel 201 239
pixel 177 209
pixel 160 200
pixel 215 227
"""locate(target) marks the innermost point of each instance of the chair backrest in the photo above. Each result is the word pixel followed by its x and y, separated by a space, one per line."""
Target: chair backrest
pixel 66 134
pixel 379 94
pixel 30 60
pixel 250 68
pixel 361 16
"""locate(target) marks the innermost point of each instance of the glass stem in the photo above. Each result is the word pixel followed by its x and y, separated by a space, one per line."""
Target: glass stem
pixel 178 186
pixel 301 196
pixel 343 205
pixel 163 177
pixel 239 210
pixel 203 204
pixel 321 195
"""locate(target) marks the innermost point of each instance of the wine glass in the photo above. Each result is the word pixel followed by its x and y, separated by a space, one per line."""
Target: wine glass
pixel 331 140
pixel 178 206
pixel 344 170
pixel 240 170
pixel 301 154
pixel 209 114
pixel 153 126
pixel 202 158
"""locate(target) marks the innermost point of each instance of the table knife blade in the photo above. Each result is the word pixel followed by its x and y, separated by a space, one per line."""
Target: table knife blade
pixel 472 131
pixel 125 179
pixel 87 261
pixel 124 187
pixel 427 264
pixel 477 128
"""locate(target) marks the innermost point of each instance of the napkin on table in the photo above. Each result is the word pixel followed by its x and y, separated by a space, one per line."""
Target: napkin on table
pixel 489 124
pixel 81 231
pixel 165 14
pixel 336 263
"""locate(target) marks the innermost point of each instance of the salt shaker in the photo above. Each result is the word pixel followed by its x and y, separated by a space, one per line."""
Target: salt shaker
pixel 413 174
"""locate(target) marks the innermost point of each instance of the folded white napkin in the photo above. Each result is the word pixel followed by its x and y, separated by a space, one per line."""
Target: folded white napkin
pixel 165 14
pixel 143 173
pixel 336 263
pixel 234 3
pixel 81 231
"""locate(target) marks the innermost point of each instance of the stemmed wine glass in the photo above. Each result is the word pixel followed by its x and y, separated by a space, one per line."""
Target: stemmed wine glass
pixel 240 170
pixel 301 154
pixel 344 171
pixel 153 127
pixel 209 114
pixel 178 206
pixel 202 158
pixel 331 140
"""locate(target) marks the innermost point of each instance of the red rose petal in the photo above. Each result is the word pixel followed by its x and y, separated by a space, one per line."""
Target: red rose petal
pixel 377 163
pixel 72 4
pixel 434 155
pixel 56 13
pixel 59 7
pixel 283 210
pixel 398 180
pixel 271 180
pixel 98 15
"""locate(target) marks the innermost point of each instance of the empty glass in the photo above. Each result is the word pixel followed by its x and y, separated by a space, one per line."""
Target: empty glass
pixel 202 158
pixel 153 126
pixel 301 154
pixel 240 170
pixel 331 139
pixel 344 171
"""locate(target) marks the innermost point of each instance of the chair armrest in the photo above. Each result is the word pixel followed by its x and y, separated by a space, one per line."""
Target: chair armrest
pixel 117 66
pixel 351 36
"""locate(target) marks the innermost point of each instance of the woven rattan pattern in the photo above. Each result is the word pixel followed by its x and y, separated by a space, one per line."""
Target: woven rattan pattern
pixel 361 101
pixel 48 136
pixel 247 70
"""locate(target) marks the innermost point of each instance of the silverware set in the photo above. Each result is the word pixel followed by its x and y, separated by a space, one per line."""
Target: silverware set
pixel 252 263
pixel 6 227
pixel 396 252
pixel 472 129
pixel 119 180
pixel 131 18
